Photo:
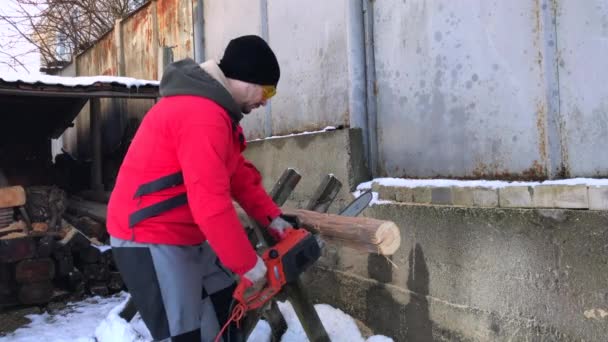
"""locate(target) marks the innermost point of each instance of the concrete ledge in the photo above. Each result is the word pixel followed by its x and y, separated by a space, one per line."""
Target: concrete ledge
pixel 598 197
pixel 560 196
pixel 516 196
pixel 475 197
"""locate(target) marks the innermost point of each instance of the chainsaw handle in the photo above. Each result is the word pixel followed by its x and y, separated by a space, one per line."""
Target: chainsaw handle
pixel 239 292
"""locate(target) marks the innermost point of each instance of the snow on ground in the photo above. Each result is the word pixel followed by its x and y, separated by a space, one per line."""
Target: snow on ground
pixel 96 320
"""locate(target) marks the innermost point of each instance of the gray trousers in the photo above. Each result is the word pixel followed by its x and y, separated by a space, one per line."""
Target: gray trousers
pixel 183 293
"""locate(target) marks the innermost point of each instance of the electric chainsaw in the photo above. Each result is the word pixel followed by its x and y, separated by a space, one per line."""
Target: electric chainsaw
pixel 284 261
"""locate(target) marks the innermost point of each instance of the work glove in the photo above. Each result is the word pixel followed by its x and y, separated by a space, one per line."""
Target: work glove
pixel 278 228
pixel 256 278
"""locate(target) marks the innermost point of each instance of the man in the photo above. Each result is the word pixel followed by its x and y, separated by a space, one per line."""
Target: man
pixel 171 209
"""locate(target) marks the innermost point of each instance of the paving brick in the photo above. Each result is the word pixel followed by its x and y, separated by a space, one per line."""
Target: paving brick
pixel 405 195
pixel 598 197
pixel 421 194
pixel 515 197
pixel 441 195
pixel 384 192
pixel 475 196
pixel 560 196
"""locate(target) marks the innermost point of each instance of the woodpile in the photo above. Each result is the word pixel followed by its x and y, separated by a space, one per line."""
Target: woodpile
pixel 46 253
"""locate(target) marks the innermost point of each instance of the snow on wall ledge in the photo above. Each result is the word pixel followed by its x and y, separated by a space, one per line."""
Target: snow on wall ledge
pixel 575 193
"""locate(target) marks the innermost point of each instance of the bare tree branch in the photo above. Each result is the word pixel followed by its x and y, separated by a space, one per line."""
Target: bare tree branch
pixel 59 29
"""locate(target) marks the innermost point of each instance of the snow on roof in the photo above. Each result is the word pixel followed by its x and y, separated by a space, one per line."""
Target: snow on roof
pixel 75 81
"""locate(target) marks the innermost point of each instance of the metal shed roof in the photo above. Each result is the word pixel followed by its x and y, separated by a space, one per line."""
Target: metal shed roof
pixel 44 106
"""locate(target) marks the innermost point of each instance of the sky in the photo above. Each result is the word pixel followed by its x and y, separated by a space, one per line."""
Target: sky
pixel 31 60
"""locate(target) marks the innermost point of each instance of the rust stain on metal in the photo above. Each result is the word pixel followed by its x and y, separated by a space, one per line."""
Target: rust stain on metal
pixel 138 19
pixel 167 14
pixel 536 172
pixel 541 120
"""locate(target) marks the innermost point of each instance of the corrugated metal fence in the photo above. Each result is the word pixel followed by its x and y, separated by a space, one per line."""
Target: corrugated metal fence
pixel 469 89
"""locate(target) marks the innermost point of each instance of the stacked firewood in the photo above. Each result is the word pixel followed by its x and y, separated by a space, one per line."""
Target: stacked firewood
pixel 46 254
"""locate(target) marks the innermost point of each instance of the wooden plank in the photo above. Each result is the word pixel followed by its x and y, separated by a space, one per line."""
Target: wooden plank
pixel 325 194
pixel 12 196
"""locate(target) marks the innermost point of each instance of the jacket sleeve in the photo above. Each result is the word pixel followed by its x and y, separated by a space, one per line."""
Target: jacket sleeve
pixel 202 150
pixel 248 191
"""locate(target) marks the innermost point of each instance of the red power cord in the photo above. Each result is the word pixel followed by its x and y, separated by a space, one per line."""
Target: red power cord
pixel 237 314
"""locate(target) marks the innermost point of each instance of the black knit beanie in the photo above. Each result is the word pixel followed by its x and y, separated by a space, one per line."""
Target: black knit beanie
pixel 250 59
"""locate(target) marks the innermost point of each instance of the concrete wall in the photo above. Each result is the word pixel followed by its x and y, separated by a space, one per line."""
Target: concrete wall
pixel 310 45
pixel 456 94
pixel 582 44
pixel 491 89
pixel 494 90
pixel 477 274
pixel 217 35
pixel 314 156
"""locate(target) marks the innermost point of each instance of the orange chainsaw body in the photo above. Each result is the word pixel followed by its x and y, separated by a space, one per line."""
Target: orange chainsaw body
pixel 284 261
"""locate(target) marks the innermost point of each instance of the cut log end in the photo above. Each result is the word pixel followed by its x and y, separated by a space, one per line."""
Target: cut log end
pixel 388 237
pixel 12 196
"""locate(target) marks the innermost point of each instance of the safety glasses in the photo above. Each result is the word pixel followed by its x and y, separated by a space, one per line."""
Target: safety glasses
pixel 268 91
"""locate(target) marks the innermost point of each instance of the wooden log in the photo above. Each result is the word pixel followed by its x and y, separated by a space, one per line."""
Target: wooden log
pixel 36 293
pixel 96 272
pixel 46 204
pixel 95 210
pixel 108 259
pixel 99 289
pixel 73 238
pixel 7 280
pixel 34 270
pixel 64 265
pixel 15 227
pixel 91 228
pixel 89 255
pixel 46 245
pixel 115 284
pixel 15 249
pixel 75 282
pixel 362 233
pixel 12 196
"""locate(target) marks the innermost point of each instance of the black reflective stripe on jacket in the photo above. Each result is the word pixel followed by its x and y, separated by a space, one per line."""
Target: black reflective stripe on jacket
pixel 162 183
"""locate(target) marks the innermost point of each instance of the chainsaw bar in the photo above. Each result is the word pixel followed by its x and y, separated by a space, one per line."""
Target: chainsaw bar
pixel 359 204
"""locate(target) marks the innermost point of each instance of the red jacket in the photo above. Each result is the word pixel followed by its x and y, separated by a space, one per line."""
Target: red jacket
pixel 202 139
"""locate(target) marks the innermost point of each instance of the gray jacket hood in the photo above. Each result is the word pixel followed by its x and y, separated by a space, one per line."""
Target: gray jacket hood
pixel 186 77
